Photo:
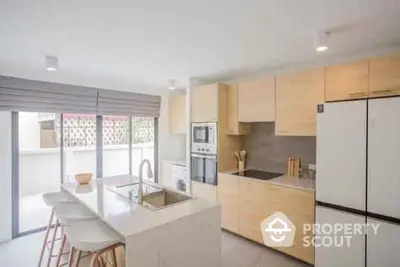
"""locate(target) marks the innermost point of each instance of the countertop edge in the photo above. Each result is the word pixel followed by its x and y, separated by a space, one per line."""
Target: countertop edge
pixel 276 182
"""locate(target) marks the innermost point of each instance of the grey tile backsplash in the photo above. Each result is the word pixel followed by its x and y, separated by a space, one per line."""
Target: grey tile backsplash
pixel 269 152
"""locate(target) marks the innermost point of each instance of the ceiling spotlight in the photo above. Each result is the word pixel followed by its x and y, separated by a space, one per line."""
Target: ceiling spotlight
pixel 171 85
pixel 51 63
pixel 321 41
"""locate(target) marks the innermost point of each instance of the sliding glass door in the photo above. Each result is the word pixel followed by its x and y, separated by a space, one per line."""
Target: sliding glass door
pixel 79 140
pixel 115 145
pixel 49 149
pixel 143 143
pixel 39 167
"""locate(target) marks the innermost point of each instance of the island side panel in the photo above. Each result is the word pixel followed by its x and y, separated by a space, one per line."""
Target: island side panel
pixel 193 241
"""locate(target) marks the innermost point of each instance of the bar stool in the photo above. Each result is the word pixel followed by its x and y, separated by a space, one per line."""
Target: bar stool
pixel 68 214
pixel 92 236
pixel 51 200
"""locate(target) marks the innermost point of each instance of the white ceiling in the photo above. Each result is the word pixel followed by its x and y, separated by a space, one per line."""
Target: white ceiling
pixel 150 42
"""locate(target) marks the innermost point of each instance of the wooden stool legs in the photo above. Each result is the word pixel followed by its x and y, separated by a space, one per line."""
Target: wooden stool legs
pixel 61 250
pixel 46 236
pixel 96 257
pixel 52 243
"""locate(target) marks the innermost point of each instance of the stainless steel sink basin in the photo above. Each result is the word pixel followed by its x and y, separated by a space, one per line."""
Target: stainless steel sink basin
pixel 130 190
pixel 154 196
pixel 163 199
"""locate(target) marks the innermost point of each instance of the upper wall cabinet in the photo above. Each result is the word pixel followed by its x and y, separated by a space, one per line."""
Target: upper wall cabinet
pixel 384 76
pixel 297 97
pixel 234 126
pixel 256 100
pixel 177 113
pixel 204 100
pixel 349 81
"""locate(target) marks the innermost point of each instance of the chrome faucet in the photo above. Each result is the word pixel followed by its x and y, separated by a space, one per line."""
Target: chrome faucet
pixel 149 174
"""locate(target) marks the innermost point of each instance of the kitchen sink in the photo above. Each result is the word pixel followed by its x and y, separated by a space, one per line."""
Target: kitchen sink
pixel 155 197
pixel 130 190
pixel 163 199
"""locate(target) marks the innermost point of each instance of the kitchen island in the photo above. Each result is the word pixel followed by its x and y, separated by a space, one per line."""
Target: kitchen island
pixel 183 234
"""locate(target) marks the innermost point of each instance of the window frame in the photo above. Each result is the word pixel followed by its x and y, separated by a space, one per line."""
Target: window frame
pixel 99 161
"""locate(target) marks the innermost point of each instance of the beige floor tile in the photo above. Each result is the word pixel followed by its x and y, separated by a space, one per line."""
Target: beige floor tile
pixel 236 252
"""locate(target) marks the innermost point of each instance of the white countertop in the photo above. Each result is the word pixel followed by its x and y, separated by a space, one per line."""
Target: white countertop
pixel 284 180
pixel 127 217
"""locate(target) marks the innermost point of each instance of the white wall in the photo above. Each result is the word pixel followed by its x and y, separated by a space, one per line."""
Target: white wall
pixel 5 177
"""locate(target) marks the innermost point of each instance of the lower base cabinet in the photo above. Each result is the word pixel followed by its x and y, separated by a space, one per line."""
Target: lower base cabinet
pixel 246 203
pixel 352 255
pixel 228 196
pixel 205 191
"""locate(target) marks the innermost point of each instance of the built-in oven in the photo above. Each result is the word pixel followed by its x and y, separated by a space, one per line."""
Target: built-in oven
pixel 204 168
pixel 204 137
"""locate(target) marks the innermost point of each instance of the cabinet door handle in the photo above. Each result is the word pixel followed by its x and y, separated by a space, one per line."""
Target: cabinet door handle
pixel 378 92
pixel 357 94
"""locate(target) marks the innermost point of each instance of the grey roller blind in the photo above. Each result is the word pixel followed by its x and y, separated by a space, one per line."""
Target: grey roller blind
pixel 28 95
pixel 125 103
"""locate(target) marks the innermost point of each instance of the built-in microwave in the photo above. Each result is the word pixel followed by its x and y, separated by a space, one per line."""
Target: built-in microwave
pixel 204 137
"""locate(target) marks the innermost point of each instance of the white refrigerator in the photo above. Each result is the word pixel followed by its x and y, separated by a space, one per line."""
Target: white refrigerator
pixel 358 179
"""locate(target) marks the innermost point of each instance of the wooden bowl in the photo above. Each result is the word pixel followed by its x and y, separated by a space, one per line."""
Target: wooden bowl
pixel 83 178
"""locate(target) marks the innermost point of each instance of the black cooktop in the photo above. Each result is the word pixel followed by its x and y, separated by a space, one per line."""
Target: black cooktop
pixel 256 174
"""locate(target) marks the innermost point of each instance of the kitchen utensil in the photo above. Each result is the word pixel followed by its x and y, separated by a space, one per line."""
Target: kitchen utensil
pixel 296 171
pixel 242 154
pixel 241 165
pixel 288 167
pixel 237 155
pixel 83 178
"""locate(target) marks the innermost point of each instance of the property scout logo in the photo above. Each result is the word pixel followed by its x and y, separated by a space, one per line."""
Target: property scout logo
pixel 278 231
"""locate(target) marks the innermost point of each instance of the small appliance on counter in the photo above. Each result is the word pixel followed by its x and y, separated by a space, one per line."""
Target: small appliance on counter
pixel 204 153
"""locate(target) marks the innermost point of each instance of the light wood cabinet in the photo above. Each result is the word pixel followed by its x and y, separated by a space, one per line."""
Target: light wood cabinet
pixel 256 203
pixel 204 101
pixel 384 76
pixel 228 196
pixel 205 191
pixel 258 200
pixel 256 100
pixel 177 113
pixel 297 97
pixel 234 126
pixel 349 81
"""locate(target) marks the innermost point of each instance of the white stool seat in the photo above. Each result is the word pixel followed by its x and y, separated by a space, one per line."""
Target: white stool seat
pixel 91 235
pixel 54 198
pixel 72 213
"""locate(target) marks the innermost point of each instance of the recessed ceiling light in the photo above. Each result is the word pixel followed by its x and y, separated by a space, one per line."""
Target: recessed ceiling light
pixel 51 63
pixel 321 41
pixel 321 48
pixel 171 85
